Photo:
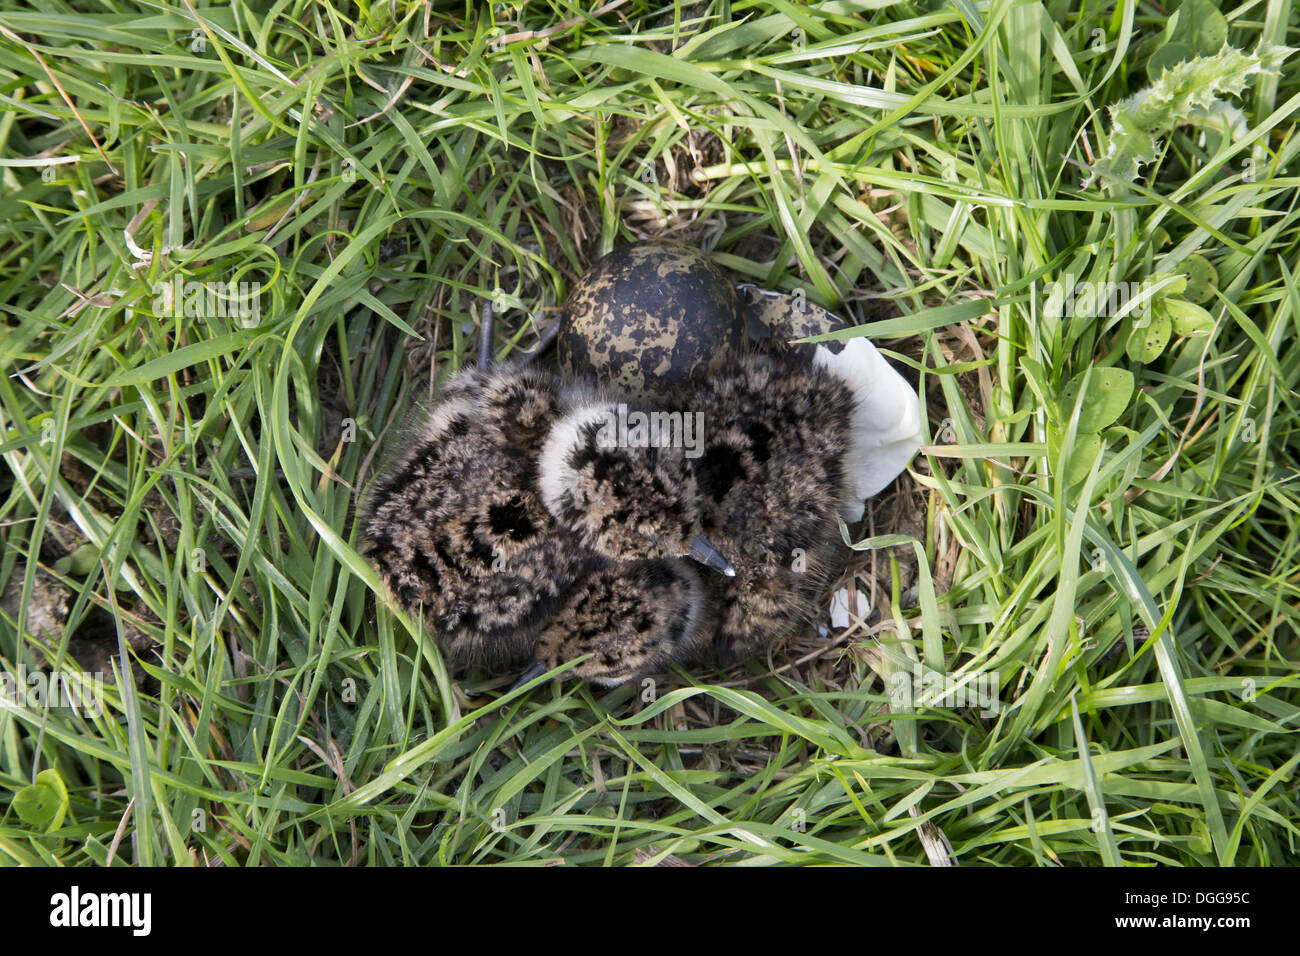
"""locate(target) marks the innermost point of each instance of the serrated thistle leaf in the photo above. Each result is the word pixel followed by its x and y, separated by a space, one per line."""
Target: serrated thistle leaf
pixel 1187 91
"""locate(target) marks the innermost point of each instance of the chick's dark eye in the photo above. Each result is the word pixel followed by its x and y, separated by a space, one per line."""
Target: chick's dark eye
pixel 719 469
pixel 761 438
pixel 580 457
pixel 511 519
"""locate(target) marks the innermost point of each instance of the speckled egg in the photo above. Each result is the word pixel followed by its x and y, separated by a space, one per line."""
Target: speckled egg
pixel 647 316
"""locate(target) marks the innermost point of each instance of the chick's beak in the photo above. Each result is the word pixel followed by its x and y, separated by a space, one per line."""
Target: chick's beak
pixel 705 553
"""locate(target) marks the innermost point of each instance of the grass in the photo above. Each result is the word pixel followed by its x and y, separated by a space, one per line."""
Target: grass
pixel 1108 534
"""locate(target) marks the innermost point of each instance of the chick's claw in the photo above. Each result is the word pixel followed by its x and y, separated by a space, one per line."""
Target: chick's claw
pixel 533 671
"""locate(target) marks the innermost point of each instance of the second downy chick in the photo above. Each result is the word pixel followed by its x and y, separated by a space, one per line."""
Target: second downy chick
pixel 638 508
pixel 779 465
pixel 457 529
pixel 454 524
pixel 776 473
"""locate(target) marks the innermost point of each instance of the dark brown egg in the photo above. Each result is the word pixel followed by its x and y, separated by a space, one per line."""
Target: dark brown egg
pixel 647 316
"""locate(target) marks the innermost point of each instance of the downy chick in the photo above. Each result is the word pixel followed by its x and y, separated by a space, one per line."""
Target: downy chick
pixel 625 501
pixel 456 528
pixel 776 470
pixel 458 531
pixel 637 507
pixel 774 476
pixel 795 442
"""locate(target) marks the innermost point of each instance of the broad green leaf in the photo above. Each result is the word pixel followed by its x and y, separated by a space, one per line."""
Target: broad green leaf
pixel 1186 318
pixel 1109 391
pixel 1146 342
pixel 1202 278
pixel 44 803
pixel 80 562
pixel 1166 57
pixel 1199 27
pixel 1086 447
